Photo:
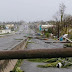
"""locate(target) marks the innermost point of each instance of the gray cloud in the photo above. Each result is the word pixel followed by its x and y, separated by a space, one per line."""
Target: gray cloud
pixel 31 10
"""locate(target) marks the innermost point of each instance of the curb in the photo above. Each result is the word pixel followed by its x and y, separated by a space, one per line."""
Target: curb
pixel 8 65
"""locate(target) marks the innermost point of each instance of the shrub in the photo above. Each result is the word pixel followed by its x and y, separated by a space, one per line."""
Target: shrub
pixel 47 34
pixel 68 45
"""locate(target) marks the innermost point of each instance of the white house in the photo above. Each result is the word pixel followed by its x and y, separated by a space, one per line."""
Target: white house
pixel 46 26
pixel 5 31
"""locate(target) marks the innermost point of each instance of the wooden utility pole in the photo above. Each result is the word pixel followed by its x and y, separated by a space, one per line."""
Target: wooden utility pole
pixel 36 53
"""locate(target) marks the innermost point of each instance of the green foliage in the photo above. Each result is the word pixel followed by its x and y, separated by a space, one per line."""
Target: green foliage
pixel 70 35
pixel 3 26
pixel 16 68
pixel 48 65
pixel 54 62
pixel 63 31
pixel 30 42
pixel 37 60
pixel 18 39
pixel 67 65
pixel 68 45
pixel 50 30
pixel 47 34
pixel 51 60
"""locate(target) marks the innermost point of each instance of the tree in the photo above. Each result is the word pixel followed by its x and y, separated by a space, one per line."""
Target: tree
pixel 59 18
pixel 57 23
pixel 67 22
pixel 62 10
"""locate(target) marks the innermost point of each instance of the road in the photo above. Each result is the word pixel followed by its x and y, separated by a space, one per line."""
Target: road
pixel 28 66
pixel 7 42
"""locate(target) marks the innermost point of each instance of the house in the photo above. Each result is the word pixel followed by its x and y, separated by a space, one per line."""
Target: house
pixel 9 26
pixel 5 31
pixel 46 26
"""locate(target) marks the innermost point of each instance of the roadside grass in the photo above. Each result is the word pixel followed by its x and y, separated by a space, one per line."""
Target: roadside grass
pixel 17 66
pixel 18 39
pixel 55 38
pixel 37 60
pixel 46 60
pixel 68 45
pixel 67 65
pixel 48 65
pixel 64 62
pixel 30 38
pixel 54 65
pixel 30 42
pixel 52 62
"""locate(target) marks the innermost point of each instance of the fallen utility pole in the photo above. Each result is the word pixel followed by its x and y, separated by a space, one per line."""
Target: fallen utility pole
pixel 57 42
pixel 36 53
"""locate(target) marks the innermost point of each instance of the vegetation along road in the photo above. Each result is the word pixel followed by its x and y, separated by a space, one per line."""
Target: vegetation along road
pixel 32 65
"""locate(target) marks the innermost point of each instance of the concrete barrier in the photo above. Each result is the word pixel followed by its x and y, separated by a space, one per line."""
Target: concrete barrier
pixel 8 65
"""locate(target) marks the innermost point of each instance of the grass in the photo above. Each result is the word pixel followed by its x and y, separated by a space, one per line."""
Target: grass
pixel 52 62
pixel 67 65
pixel 17 68
pixel 37 60
pixel 48 65
pixel 68 45
pixel 43 60
pixel 55 38
pixel 18 39
pixel 30 42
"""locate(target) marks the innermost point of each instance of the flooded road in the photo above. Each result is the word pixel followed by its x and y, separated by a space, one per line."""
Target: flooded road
pixel 28 66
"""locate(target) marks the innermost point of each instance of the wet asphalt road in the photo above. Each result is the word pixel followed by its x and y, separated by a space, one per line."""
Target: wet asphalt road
pixel 40 44
pixel 7 42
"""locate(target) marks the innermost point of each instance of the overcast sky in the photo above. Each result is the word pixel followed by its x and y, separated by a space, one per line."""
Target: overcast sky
pixel 31 10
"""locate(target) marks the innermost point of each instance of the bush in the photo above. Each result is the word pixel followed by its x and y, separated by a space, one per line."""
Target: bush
pixel 71 37
pixel 47 34
pixel 68 45
pixel 50 30
pixel 18 69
